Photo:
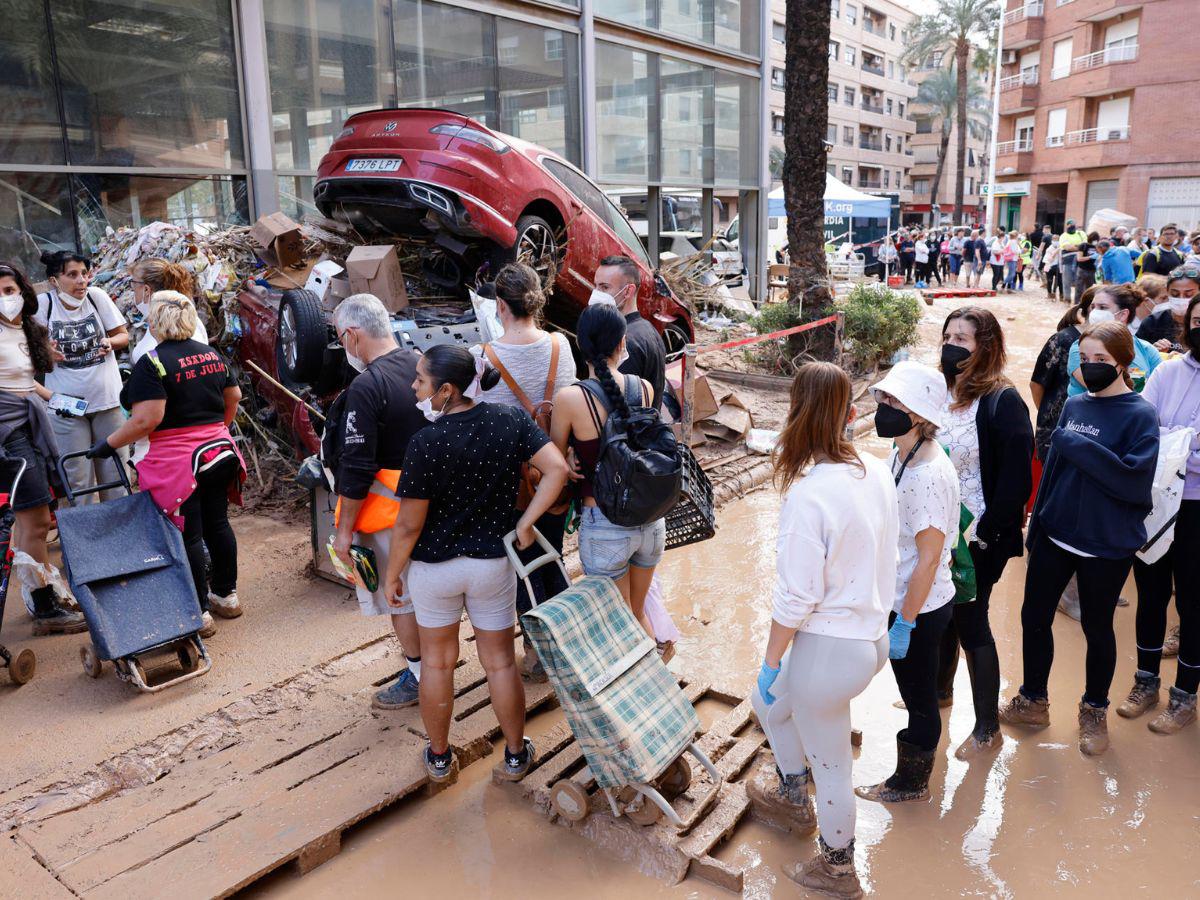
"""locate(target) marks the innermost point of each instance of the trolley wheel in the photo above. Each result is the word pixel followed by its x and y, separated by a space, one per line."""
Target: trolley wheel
pixel 646 814
pixel 570 801
pixel 189 656
pixel 135 665
pixel 677 779
pixel 22 667
pixel 92 663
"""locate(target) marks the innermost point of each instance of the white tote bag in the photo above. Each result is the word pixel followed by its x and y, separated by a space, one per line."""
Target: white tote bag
pixel 1173 451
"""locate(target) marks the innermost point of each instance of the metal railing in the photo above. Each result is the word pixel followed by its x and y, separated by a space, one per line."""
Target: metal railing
pixel 1028 11
pixel 870 145
pixel 872 107
pixel 867 183
pixel 1063 2
pixel 1018 146
pixel 874 70
pixel 1027 77
pixel 1117 54
pixel 1055 140
pixel 1097 135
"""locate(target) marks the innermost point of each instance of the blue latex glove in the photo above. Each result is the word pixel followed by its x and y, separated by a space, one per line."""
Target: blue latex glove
pixel 898 637
pixel 766 678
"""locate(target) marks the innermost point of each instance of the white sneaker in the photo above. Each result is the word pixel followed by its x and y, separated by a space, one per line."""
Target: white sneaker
pixel 225 607
pixel 207 626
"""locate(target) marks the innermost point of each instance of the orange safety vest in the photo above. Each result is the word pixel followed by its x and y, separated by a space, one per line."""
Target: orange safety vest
pixel 381 506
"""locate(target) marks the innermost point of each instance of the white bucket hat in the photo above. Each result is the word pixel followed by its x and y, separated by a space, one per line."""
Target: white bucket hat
pixel 919 387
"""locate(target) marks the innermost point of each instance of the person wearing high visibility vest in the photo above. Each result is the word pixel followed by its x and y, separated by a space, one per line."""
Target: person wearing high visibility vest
pixel 1025 261
pixel 1068 261
pixel 364 447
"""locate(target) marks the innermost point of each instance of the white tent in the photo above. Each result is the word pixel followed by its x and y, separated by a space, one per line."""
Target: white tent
pixel 840 200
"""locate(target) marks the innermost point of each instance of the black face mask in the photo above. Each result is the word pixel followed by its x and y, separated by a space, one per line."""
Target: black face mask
pixel 1070 229
pixel 1097 376
pixel 953 357
pixel 891 422
pixel 1194 340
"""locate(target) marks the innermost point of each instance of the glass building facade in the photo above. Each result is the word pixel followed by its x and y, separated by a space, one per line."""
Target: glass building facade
pixel 123 112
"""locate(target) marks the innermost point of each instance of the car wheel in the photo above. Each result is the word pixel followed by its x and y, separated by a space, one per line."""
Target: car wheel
pixel 537 246
pixel 301 337
pixel 675 338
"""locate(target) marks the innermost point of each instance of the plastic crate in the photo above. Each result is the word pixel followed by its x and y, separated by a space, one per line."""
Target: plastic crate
pixel 693 518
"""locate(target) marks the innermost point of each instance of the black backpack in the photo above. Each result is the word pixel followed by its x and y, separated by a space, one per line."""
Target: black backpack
pixel 639 474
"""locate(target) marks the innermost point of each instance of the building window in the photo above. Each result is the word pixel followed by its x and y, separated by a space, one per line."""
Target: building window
pixel 891 69
pixel 1056 126
pixel 970 185
pixel 776 124
pixel 831 169
pixel 848 135
pixel 897 179
pixel 886 178
pixel 849 96
pixel 779 32
pixel 887 142
pixel 554 46
pixel 891 36
pixel 889 106
pixel 831 133
pixel 847 175
pixel 835 8
pixel 901 109
pixel 851 13
pixel 899 143
pixel 833 51
pixel 920 186
pixel 851 55
pixel 1061 59
pixel 777 78
pixel 970 157
pixel 833 92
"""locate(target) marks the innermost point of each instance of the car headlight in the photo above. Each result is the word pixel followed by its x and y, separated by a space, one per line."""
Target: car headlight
pixel 474 135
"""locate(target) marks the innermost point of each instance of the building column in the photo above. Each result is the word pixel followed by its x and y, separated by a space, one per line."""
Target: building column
pixel 756 256
pixel 256 101
pixel 587 86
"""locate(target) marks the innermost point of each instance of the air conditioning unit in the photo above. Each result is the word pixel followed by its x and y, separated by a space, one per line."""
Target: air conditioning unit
pixel 1009 58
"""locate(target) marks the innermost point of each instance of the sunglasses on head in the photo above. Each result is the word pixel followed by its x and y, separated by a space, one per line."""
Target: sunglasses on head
pixel 1192 273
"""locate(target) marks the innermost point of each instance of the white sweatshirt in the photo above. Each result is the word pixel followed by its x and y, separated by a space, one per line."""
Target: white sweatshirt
pixel 837 551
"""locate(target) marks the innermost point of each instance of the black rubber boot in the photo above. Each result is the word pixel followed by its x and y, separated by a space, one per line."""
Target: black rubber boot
pixel 947 665
pixel 911 778
pixel 50 618
pixel 984 665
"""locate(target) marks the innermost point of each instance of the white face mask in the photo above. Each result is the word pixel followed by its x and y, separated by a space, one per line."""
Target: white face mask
pixel 1179 305
pixel 144 309
pixel 355 363
pixel 10 307
pixel 599 298
pixel 427 410
pixel 1096 316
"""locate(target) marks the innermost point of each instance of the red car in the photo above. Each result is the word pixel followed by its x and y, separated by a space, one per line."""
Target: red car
pixel 484 198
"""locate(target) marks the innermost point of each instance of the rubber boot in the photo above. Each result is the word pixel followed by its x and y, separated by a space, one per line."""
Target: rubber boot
pixel 1093 729
pixel 1180 712
pixel 50 618
pixel 831 872
pixel 1143 696
pixel 947 666
pixel 984 665
pixel 782 800
pixel 910 780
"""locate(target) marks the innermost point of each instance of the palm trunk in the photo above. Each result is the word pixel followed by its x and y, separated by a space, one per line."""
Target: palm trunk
pixel 806 111
pixel 961 50
pixel 943 149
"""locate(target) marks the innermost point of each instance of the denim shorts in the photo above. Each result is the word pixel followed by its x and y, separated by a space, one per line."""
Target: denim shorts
pixel 608 549
pixel 34 488
pixel 955 263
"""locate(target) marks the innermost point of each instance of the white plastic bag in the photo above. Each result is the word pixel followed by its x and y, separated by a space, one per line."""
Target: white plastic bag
pixel 32 575
pixel 1174 448
pixel 490 328
pixel 656 612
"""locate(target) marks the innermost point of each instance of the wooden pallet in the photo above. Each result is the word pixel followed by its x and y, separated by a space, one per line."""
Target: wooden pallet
pixel 731 742
pixel 933 293
pixel 287 792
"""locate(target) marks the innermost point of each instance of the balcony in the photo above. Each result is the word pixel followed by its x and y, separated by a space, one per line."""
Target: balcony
pixel 1019 93
pixel 1017 155
pixel 873 70
pixel 1027 77
pixel 1106 57
pixel 1024 25
pixel 1104 72
pixel 1094 135
pixel 1019 146
pixel 1099 147
pixel 865 144
pixel 876 108
pixel 873 184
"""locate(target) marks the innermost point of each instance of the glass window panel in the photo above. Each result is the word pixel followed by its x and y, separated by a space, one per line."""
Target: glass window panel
pixel 639 13
pixel 446 57
pixel 735 131
pixel 539 94
pixel 149 82
pixel 200 204
pixel 35 215
pixel 685 92
pixel 623 102
pixel 295 195
pixel 736 25
pixel 328 59
pixel 688 18
pixel 30 130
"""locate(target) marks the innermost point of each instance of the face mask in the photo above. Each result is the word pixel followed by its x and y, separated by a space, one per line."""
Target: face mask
pixel 10 307
pixel 1194 340
pixel 1070 229
pixel 599 297
pixel 355 363
pixel 144 309
pixel 1097 376
pixel 1179 305
pixel 427 410
pixel 1096 316
pixel 891 422
pixel 953 358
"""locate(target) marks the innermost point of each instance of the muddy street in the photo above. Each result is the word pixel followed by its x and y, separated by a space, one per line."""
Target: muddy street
pixel 1038 818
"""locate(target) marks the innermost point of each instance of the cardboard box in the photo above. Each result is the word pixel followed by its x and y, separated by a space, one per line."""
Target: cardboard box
pixel 292 279
pixel 280 240
pixel 376 270
pixel 704 401
pixel 320 279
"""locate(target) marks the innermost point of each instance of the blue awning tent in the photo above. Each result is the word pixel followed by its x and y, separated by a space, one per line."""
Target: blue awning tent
pixel 840 200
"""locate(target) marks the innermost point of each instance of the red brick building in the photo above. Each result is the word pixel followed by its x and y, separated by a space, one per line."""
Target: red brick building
pixel 1095 111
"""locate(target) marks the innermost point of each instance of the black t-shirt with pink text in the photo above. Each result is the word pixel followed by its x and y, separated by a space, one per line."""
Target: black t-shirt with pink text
pixel 189 375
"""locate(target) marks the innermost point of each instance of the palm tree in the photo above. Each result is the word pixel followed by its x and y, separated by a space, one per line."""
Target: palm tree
pixel 806 110
pixel 939 95
pixel 961 24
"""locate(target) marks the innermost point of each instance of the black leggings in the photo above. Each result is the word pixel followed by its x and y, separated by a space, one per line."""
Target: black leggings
pixel 997 275
pixel 206 523
pixel 1181 563
pixel 547 581
pixel 970 628
pixel 906 266
pixel 916 676
pixel 1100 582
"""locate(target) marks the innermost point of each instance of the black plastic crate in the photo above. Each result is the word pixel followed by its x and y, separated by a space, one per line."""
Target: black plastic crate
pixel 693 518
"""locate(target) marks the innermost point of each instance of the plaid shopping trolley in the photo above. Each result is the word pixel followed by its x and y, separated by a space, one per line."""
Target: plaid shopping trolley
pixel 629 716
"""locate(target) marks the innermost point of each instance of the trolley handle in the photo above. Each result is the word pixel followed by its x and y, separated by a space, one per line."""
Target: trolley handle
pixel 60 466
pixel 524 570
pixel 22 464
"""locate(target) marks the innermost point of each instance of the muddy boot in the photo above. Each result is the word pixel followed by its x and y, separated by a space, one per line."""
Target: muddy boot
pixel 1143 696
pixel 1171 644
pixel 1020 710
pixel 1093 729
pixel 984 665
pixel 782 800
pixel 50 618
pixel 830 872
pixel 1180 712
pixel 910 780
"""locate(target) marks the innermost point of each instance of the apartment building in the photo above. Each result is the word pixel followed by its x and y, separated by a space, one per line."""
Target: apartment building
pixel 925 143
pixel 1093 105
pixel 869 94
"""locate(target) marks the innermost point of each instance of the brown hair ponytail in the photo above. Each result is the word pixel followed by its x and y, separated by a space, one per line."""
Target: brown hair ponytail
pixel 816 422
pixel 163 275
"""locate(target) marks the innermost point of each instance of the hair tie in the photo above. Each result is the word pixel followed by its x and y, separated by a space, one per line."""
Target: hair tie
pixel 474 389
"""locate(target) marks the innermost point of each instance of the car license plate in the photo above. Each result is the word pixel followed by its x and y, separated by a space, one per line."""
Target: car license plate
pixel 373 165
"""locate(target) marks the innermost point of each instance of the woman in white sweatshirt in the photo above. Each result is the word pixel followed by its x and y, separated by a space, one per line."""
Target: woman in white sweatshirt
pixel 837 556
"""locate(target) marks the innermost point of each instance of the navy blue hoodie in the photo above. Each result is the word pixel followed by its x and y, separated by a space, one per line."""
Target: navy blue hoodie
pixel 1095 490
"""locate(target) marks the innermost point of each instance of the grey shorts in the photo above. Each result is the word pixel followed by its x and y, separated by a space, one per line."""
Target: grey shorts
pixel 608 549
pixel 486 588
pixel 375 603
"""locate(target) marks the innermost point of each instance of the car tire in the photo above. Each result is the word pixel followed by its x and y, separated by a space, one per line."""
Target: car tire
pixel 675 338
pixel 301 338
pixel 536 237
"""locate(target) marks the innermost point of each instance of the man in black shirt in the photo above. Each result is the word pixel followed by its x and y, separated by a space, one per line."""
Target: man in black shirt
pixel 618 278
pixel 365 449
pixel 1165 256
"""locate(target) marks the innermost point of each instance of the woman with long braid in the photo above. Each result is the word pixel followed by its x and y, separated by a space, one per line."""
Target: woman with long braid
pixel 628 555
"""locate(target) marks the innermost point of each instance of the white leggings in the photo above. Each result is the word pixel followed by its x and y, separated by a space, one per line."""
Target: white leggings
pixel 808 725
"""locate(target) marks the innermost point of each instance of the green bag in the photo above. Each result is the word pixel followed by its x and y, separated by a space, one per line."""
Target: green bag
pixel 962 566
